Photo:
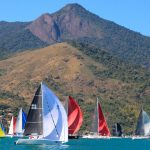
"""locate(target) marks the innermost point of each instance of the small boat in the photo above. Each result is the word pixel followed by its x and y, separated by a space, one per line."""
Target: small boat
pixel 12 127
pixel 2 132
pixel 20 123
pixel 143 126
pixel 46 120
pixel 75 118
pixel 99 126
pixel 117 130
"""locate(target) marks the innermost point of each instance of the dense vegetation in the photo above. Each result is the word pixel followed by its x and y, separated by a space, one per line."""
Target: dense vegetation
pixel 14 37
pixel 118 69
pixel 124 104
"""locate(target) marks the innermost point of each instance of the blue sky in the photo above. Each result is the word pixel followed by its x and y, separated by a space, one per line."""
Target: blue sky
pixel 133 14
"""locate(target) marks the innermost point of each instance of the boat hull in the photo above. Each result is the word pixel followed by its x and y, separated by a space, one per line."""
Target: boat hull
pixel 37 142
pixel 140 137
pixel 16 136
pixel 95 137
pixel 73 137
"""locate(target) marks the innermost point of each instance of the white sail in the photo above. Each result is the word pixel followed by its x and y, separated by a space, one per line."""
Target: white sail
pixel 11 127
pixel 147 129
pixel 143 124
pixel 53 117
pixel 55 124
pixel 146 124
pixel 19 123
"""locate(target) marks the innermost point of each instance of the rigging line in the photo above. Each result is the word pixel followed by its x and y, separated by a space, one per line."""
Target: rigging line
pixel 52 119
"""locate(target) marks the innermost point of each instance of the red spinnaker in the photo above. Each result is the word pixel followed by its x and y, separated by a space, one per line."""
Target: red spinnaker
pixel 14 124
pixel 75 117
pixel 102 126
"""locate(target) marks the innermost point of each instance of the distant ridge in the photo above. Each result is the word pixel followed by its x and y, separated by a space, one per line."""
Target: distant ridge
pixel 75 23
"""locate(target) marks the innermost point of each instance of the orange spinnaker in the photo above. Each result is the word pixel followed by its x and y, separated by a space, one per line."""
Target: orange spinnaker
pixel 75 117
pixel 102 127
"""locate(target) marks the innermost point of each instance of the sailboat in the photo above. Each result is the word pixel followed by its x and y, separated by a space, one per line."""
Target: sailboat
pixel 75 118
pixel 143 126
pixel 2 133
pixel 12 127
pixel 99 126
pixel 117 130
pixel 46 120
pixel 20 123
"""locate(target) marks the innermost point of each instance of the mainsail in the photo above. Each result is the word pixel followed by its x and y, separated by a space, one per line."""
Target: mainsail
pixel 47 116
pixel 34 123
pixel 75 117
pixel 143 124
pixel 99 125
pixel 95 120
pixel 117 130
pixel 20 124
pixel 12 127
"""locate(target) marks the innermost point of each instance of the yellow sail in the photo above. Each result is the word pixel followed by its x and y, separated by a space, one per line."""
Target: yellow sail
pixel 2 134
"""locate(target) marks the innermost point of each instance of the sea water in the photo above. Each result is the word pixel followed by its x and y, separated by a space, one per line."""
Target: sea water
pixel 82 144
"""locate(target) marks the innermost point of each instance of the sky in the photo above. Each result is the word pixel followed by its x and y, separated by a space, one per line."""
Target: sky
pixel 133 14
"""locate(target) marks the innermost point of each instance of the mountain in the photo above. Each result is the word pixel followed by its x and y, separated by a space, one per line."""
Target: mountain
pixel 68 71
pixel 75 23
pixel 68 23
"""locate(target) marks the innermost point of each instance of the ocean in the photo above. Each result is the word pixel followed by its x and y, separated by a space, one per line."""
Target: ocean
pixel 81 144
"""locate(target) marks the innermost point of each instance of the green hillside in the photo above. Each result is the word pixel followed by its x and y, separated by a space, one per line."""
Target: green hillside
pixel 82 72
pixel 14 38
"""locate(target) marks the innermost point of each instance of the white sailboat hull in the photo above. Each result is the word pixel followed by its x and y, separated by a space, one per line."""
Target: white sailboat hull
pixel 140 137
pixel 95 137
pixel 37 142
pixel 106 137
pixel 19 136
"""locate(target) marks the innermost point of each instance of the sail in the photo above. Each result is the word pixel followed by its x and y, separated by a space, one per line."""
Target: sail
pixel 19 123
pixel 103 129
pixel 75 117
pixel 66 106
pixel 55 125
pixel 24 119
pixel 2 133
pixel 94 128
pixel 12 127
pixel 143 124
pixel 34 124
pixel 117 130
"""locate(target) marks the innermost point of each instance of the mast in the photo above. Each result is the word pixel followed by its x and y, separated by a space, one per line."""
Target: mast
pixel 97 116
pixel 42 107
pixel 95 120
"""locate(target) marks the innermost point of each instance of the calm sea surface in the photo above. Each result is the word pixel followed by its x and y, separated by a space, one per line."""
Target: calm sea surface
pixel 82 144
